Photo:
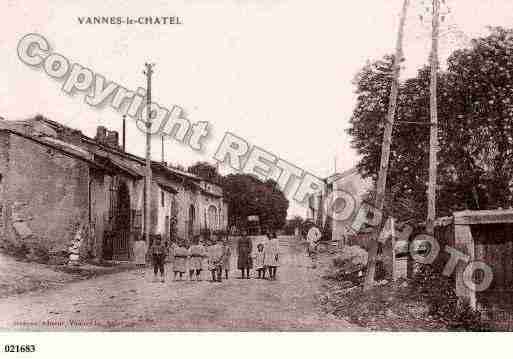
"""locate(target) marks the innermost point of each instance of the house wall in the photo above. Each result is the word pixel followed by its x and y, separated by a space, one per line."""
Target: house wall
pixel 182 211
pixel 216 222
pixel 493 245
pixel 191 197
pixel 101 196
pixel 52 194
pixel 4 158
pixel 100 187
pixel 161 212
pixel 186 197
pixel 357 187
pixel 45 194
pixel 211 196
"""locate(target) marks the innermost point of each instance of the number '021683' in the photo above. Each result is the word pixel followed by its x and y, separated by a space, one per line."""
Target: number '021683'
pixel 10 348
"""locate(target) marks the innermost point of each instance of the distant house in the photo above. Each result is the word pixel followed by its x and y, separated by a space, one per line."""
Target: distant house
pixel 318 211
pixel 55 181
pixel 187 202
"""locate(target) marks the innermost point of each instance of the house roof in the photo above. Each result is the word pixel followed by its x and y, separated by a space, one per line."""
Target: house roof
pixel 173 171
pixel 483 216
pixel 67 151
pixel 340 175
pixel 167 188
pixel 155 164
pixel 112 163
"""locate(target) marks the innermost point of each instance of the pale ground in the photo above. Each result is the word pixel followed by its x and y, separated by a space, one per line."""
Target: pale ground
pixel 130 301
pixel 17 276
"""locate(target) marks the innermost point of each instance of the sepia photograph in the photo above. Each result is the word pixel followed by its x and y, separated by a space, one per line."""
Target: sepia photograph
pixel 243 166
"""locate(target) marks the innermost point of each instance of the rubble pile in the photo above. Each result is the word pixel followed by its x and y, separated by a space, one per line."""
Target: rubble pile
pixel 348 265
pixel 74 248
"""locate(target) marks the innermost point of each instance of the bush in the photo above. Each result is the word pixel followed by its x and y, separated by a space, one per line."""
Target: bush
pixel 438 292
pixel 15 250
pixel 40 254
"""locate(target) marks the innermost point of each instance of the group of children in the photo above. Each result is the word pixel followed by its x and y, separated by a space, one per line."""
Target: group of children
pixel 266 257
pixel 215 255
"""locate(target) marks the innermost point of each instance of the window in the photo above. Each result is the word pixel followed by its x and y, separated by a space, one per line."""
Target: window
pixel 162 198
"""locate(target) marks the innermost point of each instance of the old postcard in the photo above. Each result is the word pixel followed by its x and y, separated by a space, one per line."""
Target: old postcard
pixel 255 166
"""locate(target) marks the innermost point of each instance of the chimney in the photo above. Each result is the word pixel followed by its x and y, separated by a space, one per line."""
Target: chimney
pixel 101 134
pixel 112 139
pixel 71 135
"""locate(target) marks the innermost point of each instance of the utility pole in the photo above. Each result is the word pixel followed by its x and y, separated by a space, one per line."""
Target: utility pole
pixel 433 135
pixel 162 155
pixel 385 147
pixel 147 198
pixel 124 133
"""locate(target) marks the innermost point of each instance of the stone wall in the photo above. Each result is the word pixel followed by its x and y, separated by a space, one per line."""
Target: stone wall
pixel 99 210
pixel 4 158
pixel 45 194
pixel 47 197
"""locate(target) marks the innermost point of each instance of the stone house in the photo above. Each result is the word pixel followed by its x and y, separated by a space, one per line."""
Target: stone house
pixel 187 202
pixel 350 182
pixel 56 182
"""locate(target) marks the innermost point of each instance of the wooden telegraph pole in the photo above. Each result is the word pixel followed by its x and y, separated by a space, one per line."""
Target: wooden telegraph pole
pixel 124 133
pixel 163 158
pixel 147 198
pixel 385 146
pixel 433 135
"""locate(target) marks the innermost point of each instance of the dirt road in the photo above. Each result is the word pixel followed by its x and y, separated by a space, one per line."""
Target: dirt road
pixel 130 301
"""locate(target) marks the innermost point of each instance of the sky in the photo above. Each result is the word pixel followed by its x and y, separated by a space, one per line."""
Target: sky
pixel 277 73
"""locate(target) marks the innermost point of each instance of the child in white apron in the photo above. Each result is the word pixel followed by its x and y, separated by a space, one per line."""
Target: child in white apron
pixel 260 261
pixel 215 261
pixel 181 255
pixel 197 254
pixel 271 250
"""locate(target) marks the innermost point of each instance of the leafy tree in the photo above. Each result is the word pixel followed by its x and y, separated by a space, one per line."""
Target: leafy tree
pixel 478 121
pixel 408 153
pixel 247 196
pixel 475 162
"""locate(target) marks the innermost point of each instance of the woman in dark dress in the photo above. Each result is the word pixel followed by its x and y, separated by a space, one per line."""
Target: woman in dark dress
pixel 244 249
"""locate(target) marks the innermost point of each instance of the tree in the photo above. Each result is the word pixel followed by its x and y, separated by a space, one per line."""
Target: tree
pixel 247 196
pixel 408 153
pixel 475 161
pixel 479 120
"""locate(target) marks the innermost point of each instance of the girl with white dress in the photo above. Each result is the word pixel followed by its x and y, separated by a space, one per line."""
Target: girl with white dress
pixel 181 256
pixel 272 255
pixel 197 253
pixel 259 261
